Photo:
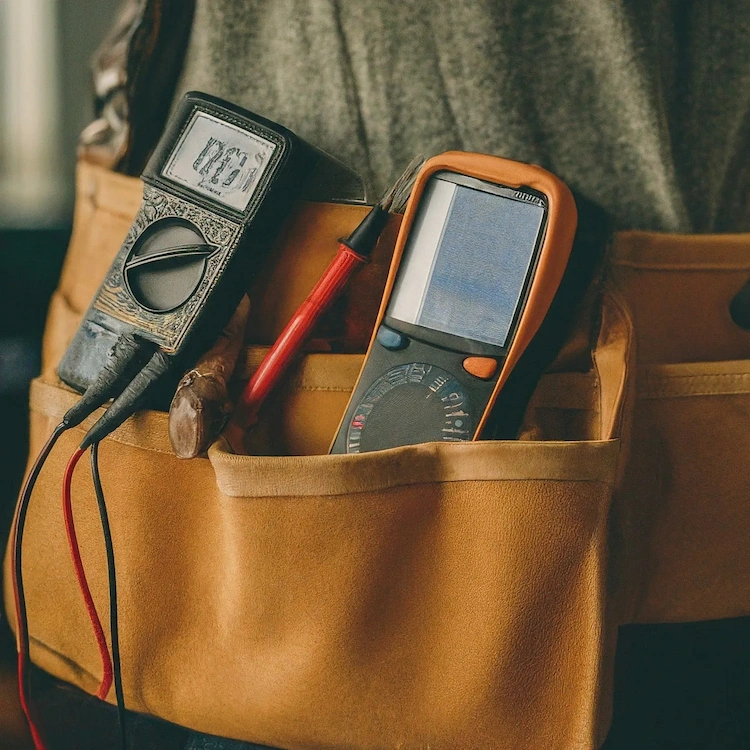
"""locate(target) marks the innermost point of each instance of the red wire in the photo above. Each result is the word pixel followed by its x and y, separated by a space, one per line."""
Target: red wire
pixel 75 554
pixel 35 736
pixel 23 660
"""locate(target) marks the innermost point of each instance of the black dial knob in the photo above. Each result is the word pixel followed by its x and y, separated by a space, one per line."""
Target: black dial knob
pixel 166 264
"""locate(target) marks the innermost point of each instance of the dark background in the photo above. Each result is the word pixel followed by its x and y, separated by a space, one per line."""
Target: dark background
pixel 677 686
pixel 33 240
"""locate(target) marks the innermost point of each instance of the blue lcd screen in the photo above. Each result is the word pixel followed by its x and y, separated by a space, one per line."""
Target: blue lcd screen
pixel 466 262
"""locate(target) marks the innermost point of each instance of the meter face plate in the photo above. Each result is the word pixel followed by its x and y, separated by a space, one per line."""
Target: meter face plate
pixel 442 402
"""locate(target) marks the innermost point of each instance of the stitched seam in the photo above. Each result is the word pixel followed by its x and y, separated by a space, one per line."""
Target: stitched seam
pixel 379 489
pixel 665 392
pixel 661 386
pixel 696 375
pixel 677 267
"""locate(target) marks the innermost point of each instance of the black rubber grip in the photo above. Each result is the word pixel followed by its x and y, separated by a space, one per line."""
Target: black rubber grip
pixel 130 400
pixel 123 357
pixel 364 238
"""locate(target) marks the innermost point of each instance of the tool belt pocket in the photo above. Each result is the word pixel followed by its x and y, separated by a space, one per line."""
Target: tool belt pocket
pixel 693 402
pixel 436 595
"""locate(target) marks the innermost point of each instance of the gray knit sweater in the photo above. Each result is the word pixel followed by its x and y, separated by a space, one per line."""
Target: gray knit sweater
pixel 642 105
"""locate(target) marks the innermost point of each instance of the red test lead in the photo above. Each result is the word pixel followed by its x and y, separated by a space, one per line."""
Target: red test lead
pixel 353 253
pixel 83 585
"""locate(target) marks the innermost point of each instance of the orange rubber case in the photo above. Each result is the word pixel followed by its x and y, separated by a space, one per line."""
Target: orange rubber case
pixel 562 219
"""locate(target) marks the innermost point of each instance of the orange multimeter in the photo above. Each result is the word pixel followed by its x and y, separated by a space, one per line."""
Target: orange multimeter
pixel 479 257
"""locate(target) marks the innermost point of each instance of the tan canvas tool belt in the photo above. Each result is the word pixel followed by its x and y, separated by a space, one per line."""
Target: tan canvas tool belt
pixel 442 596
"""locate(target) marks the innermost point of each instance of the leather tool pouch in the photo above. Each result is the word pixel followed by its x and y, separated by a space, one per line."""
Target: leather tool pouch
pixel 443 595
pixel 463 595
pixel 691 432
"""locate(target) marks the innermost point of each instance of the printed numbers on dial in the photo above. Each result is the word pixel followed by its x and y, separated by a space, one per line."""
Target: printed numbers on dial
pixel 426 402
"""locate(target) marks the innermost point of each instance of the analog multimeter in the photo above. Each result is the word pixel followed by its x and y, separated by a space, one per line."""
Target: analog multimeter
pixel 216 189
pixel 480 255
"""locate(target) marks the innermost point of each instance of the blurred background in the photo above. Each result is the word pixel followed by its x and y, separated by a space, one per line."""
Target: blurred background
pixel 45 101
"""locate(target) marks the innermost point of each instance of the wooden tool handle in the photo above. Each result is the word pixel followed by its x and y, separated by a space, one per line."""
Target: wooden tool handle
pixel 201 405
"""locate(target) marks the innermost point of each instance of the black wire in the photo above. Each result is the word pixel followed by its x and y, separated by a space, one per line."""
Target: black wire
pixel 123 361
pixel 112 579
pixel 130 400
pixel 19 526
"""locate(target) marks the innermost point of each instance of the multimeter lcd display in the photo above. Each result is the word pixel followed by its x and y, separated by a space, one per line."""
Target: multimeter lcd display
pixel 219 160
pixel 467 259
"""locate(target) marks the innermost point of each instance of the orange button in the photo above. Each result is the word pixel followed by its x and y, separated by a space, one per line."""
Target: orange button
pixel 480 367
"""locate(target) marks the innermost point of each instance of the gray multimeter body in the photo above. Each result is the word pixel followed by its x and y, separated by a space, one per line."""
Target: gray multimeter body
pixel 215 191
pixel 457 297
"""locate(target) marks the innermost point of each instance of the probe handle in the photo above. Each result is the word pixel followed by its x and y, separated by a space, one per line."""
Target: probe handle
pixel 290 341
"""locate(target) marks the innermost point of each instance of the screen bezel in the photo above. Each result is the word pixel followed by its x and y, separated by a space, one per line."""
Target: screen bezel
pixel 190 107
pixel 175 158
pixel 463 344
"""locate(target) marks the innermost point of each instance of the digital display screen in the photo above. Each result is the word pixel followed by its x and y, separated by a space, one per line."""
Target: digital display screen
pixel 219 160
pixel 466 262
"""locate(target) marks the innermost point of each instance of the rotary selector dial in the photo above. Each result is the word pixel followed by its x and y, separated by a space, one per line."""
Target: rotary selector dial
pixel 166 264
pixel 436 398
